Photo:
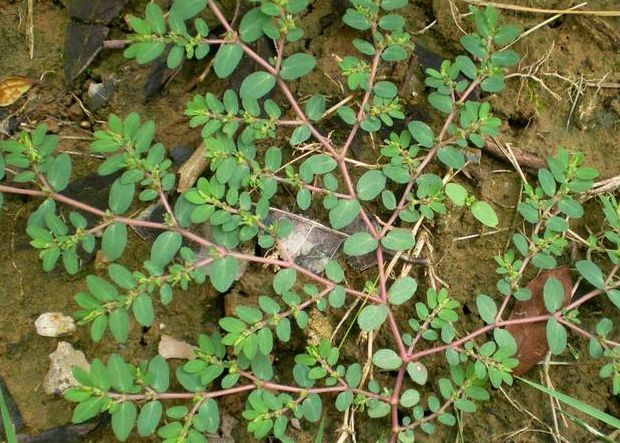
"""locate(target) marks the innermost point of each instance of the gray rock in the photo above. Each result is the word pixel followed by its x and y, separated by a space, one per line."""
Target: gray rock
pixel 59 378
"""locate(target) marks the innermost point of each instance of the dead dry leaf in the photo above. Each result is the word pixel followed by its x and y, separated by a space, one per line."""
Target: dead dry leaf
pixel 12 88
pixel 170 347
pixel 531 338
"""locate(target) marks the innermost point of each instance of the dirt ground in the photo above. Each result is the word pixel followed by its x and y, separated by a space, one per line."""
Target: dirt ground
pixel 575 59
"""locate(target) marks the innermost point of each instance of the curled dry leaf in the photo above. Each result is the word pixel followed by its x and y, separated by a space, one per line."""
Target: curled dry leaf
pixel 531 338
pixel 12 88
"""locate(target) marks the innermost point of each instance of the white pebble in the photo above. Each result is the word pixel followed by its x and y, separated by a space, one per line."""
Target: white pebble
pixel 54 324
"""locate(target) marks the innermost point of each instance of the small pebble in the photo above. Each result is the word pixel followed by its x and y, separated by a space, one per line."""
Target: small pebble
pixel 54 324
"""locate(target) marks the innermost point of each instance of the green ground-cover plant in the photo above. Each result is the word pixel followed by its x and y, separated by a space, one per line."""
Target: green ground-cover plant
pixel 243 133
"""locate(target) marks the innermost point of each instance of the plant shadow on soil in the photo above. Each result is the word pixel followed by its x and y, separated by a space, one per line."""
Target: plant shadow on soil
pixel 536 123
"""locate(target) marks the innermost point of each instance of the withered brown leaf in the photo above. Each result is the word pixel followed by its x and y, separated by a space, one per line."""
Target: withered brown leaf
pixel 12 88
pixel 531 338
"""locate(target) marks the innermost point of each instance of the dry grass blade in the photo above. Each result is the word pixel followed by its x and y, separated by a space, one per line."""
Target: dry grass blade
pixel 541 10
pixel 545 22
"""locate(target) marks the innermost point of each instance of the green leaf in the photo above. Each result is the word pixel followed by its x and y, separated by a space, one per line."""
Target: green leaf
pixel 300 135
pixel 120 374
pixel 209 416
pixel 465 405
pixel 370 184
pixel 356 20
pixel 87 409
pixel 114 240
pixel 409 398
pixel 185 9
pixel 119 324
pixel 591 272
pixel 165 247
pixel 59 172
pixel 553 294
pixel 149 418
pixel 546 181
pixel 273 158
pixel 222 273
pixel 311 408
pixel 422 133
pixel 556 336
pixel 440 102
pixel 251 25
pixel 49 258
pixel 505 58
pixel 297 65
pixel 316 164
pixel 451 157
pixel 387 359
pixel 303 199
pixel 344 213
pixel 334 271
pixel 493 83
pixel 389 200
pixel 521 243
pixel 506 34
pixel 473 44
pixel 146 52
pixel 614 297
pixel 337 297
pixel 347 114
pixel 398 240
pixel 467 66
pixel 101 289
pixel 158 369
pixel 315 106
pixel 175 56
pixel 359 244
pixel 98 327
pixel 389 5
pixel 418 372
pixel 385 89
pixel 505 340
pixel 364 47
pixel 226 59
pixel 6 419
pixel 344 400
pixel 371 317
pixel 394 53
pixel 143 310
pixel 543 260
pixel 256 85
pixel 155 18
pixel 456 193
pixel 402 290
pixel 123 420
pixel 484 213
pixel 284 280
pixel 577 404
pixel 486 308
pixel 121 196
